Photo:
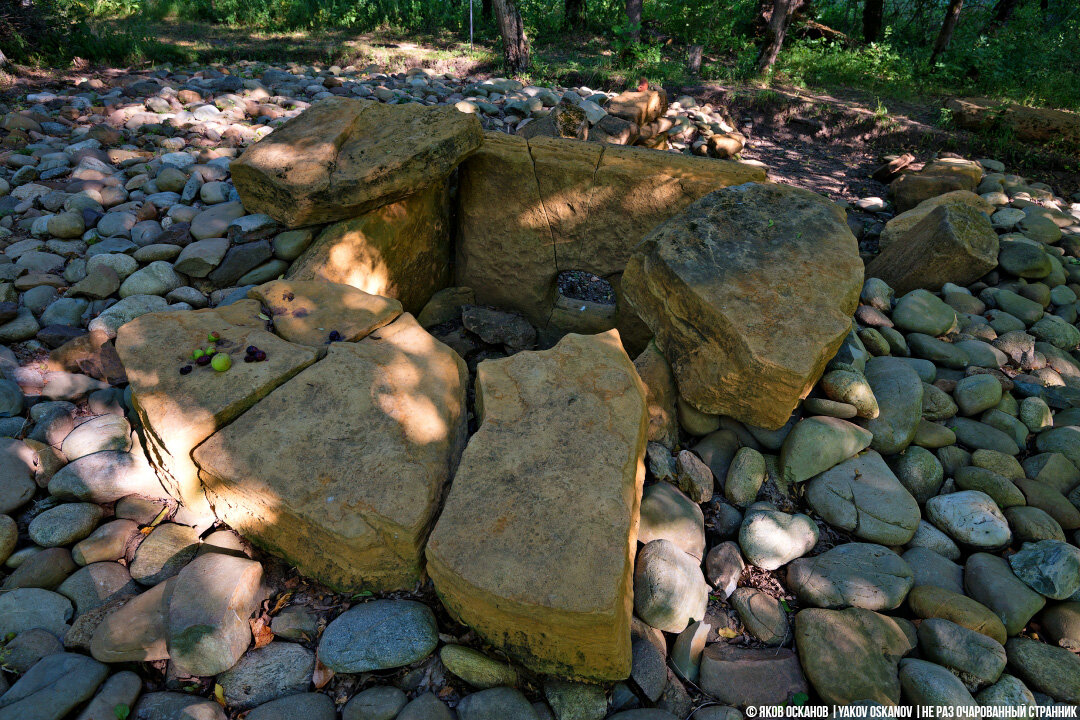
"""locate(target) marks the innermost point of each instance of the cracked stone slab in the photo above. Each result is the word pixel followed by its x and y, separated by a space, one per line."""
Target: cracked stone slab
pixel 569 205
pixel 748 335
pixel 534 547
pixel 340 470
pixel 179 411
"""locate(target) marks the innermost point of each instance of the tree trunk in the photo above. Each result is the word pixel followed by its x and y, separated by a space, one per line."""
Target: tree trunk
pixel 574 15
pixel 871 20
pixel 633 17
pixel 512 31
pixel 952 16
pixel 779 19
pixel 693 59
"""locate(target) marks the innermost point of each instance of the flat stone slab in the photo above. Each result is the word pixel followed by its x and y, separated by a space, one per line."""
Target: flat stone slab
pixel 340 470
pixel 310 312
pixel 344 156
pixel 535 546
pixel 180 411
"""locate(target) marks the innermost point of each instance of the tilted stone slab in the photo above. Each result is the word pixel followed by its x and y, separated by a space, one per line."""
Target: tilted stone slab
pixel 340 470
pixel 342 157
pixel 400 250
pixel 534 548
pixel 308 312
pixel 954 242
pixel 900 225
pixel 180 411
pixel 749 293
pixel 528 209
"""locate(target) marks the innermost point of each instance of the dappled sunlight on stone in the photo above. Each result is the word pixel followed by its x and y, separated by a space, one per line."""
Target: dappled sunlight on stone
pixel 351 457
pixel 315 313
pixel 566 204
pixel 401 250
pixel 179 411
pixel 322 168
pixel 556 467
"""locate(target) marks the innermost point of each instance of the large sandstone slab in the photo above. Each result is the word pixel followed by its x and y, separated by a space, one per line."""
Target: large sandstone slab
pixel 1028 124
pixel 638 106
pixel 528 209
pixel 535 545
pixel 944 175
pixel 340 470
pixel 180 411
pixel 749 293
pixel 954 242
pixel 308 311
pixel 400 250
pixel 343 157
pixel 902 223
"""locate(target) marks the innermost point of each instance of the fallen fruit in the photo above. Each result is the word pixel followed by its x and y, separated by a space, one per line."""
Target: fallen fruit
pixel 204 360
pixel 221 362
pixel 210 350
pixel 213 337
pixel 197 353
pixel 185 370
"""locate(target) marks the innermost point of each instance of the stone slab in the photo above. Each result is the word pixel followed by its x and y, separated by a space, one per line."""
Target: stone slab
pixel 535 545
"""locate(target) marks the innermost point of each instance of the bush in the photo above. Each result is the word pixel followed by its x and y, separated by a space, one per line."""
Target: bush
pixel 53 32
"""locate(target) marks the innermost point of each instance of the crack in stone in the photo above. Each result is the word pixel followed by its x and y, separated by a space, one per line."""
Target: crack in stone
pixel 547 221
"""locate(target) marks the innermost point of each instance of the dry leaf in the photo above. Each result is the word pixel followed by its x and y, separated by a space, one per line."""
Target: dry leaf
pixel 156 521
pixel 322 675
pixel 260 629
pixel 219 694
pixel 727 633
pixel 282 601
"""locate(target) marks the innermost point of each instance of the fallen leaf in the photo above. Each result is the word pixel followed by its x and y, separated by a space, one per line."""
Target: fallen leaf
pixel 219 694
pixel 282 601
pixel 322 675
pixel 261 631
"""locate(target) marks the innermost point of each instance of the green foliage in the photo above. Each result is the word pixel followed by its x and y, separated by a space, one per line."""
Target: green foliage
pixel 55 31
pixel 1031 59
pixel 121 711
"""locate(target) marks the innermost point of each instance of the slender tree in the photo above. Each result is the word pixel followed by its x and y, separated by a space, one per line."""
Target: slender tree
pixel 574 13
pixel 779 17
pixel 948 26
pixel 512 30
pixel 633 18
pixel 871 19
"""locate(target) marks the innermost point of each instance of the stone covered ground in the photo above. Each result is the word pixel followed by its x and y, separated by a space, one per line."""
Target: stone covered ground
pixel 909 535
